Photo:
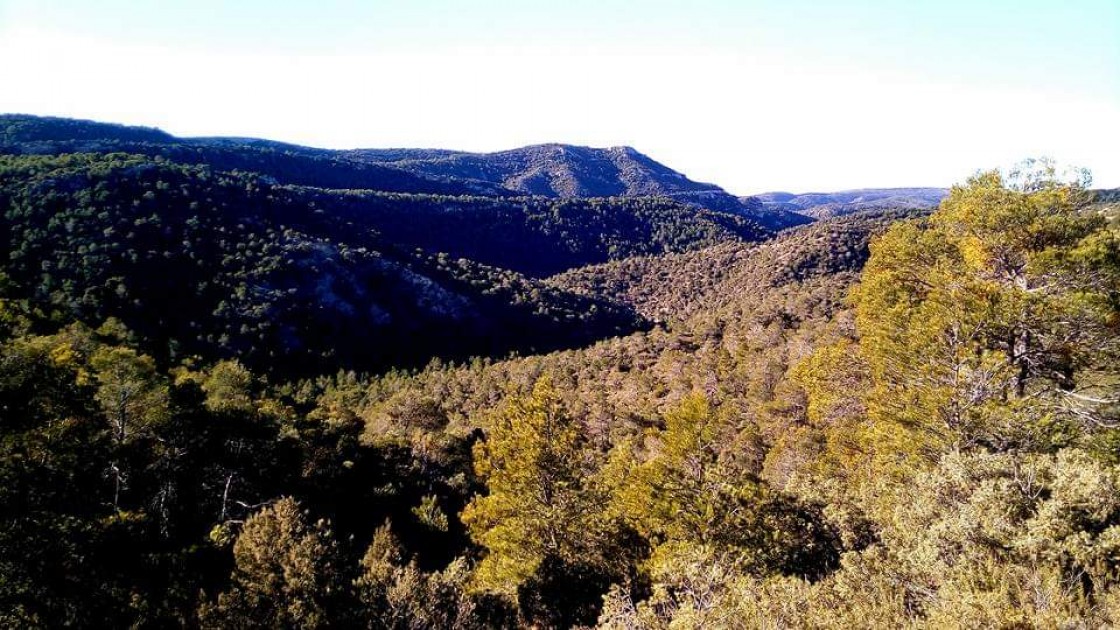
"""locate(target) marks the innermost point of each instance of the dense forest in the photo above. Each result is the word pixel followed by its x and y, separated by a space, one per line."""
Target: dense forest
pixel 551 171
pixel 232 399
pixel 826 205
pixel 324 279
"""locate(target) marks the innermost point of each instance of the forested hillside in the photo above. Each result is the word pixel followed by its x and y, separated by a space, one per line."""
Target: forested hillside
pixel 566 171
pixel 825 205
pixel 551 171
pixel 290 164
pixel 235 396
pixel 281 277
pixel 675 286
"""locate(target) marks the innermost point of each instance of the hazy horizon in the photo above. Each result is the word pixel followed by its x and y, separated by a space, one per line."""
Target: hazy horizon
pixel 751 96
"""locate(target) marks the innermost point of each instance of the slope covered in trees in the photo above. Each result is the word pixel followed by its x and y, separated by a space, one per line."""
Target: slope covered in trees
pixel 566 171
pixel 552 171
pixel 217 443
pixel 278 277
pixel 287 275
pixel 286 163
pixel 676 286
pixel 20 129
pixel 955 426
pixel 878 420
pixel 833 204
pixel 536 236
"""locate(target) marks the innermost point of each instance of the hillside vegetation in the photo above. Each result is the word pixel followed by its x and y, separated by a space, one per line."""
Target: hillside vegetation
pixel 566 171
pixel 552 171
pixel 676 286
pixel 279 278
pixel 232 401
pixel 834 204
pixel 317 278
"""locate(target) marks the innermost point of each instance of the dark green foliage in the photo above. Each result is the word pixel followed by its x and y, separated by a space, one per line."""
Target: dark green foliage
pixel 99 531
pixel 568 171
pixel 220 265
pixel 774 452
pixel 553 171
pixel 676 286
pixel 539 237
pixel 549 170
pixel 24 129
pixel 286 163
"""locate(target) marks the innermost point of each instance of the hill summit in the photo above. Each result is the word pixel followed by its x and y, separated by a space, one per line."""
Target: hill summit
pixel 550 170
pixel 565 170
pixel 558 171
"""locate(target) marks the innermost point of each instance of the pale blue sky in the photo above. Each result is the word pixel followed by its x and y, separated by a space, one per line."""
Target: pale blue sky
pixel 752 95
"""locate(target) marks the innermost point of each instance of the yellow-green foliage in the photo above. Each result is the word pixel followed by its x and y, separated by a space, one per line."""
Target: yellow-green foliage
pixel 539 503
pixel 980 326
pixel 684 491
pixel 939 450
pixel 961 437
pixel 284 575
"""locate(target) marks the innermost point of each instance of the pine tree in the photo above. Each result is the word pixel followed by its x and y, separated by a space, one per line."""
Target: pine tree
pixel 286 574
pixel 994 323
pixel 539 504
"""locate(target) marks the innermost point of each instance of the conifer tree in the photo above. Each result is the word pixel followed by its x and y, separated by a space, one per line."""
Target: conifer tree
pixel 286 574
pixel 540 502
pixel 992 324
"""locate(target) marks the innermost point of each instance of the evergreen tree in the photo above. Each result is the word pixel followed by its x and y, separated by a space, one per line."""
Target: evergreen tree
pixel 538 502
pixel 286 575
pixel 542 522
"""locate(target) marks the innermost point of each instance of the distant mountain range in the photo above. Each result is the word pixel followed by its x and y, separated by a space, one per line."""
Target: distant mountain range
pixel 834 204
pixel 296 259
pixel 557 171
pixel 548 170
pixel 286 163
pixel 299 259
pixel 551 170
pixel 566 171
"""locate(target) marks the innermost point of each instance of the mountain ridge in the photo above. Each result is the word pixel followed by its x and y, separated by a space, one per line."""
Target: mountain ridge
pixel 560 170
pixel 278 277
pixel 552 170
pixel 823 205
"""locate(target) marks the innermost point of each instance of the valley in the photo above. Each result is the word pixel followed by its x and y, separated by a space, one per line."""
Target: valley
pixel 246 383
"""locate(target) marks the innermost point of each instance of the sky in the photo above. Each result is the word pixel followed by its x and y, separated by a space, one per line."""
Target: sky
pixel 753 95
